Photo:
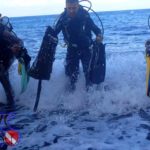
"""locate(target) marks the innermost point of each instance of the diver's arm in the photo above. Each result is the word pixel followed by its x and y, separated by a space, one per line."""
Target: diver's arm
pixel 92 26
pixel 95 29
pixel 15 44
pixel 17 47
pixel 12 39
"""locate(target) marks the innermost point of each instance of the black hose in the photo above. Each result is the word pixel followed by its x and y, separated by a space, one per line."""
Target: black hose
pixel 89 8
pixel 98 19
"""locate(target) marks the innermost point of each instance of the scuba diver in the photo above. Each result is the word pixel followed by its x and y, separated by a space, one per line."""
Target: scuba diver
pixel 77 27
pixel 10 47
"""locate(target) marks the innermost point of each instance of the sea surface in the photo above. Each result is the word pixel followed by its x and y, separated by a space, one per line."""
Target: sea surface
pixel 114 116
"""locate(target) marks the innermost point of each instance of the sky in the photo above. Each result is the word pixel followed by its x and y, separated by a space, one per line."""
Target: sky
pixel 13 8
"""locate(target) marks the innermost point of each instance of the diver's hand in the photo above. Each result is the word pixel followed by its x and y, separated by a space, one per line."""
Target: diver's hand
pixel 15 48
pixel 99 38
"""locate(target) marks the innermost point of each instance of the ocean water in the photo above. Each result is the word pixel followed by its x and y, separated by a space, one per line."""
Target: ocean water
pixel 113 117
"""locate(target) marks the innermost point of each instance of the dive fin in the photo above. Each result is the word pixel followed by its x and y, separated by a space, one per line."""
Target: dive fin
pixel 24 75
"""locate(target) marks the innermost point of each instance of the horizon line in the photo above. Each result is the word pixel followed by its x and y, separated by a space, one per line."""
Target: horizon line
pixel 134 9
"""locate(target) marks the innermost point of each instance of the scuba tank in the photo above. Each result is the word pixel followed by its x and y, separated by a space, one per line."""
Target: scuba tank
pixel 147 51
pixel 147 45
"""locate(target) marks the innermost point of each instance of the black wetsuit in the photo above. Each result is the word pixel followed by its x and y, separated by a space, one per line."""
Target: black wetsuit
pixel 77 34
pixel 6 60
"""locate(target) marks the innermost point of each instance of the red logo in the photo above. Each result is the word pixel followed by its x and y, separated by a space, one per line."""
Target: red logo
pixel 11 137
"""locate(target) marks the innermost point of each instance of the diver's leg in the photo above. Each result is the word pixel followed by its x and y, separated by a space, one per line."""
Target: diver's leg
pixel 7 87
pixel 72 67
pixel 85 59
